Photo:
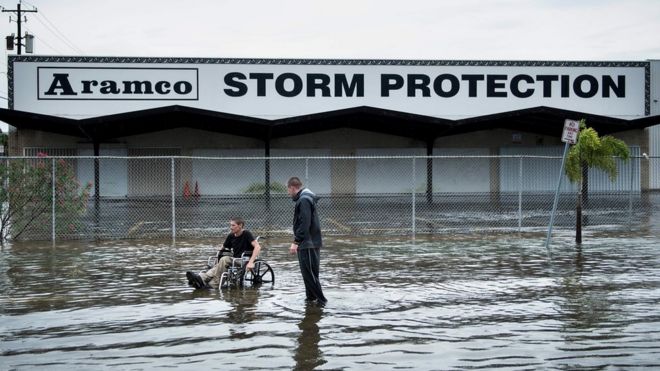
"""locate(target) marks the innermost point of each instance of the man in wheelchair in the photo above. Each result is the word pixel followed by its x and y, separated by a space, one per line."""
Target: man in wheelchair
pixel 238 241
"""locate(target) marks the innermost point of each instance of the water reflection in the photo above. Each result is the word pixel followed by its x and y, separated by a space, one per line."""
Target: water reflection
pixel 434 304
pixel 308 355
pixel 243 303
pixel 582 307
pixel 594 322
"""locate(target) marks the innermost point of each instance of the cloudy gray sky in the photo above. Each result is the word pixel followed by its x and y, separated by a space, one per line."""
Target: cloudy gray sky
pixel 374 29
pixel 347 29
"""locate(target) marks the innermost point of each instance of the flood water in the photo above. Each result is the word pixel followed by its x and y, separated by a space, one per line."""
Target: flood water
pixel 428 305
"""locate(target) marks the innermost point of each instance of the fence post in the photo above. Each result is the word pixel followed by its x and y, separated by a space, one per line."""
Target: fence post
pixel 414 175
pixel 173 192
pixel 520 187
pixel 429 171
pixel 97 190
pixel 630 194
pixel 53 200
pixel 267 175
pixel 306 170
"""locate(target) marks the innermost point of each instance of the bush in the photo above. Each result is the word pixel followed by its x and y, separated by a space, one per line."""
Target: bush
pixel 26 197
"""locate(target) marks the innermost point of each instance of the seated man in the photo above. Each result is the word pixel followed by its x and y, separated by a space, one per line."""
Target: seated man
pixel 240 240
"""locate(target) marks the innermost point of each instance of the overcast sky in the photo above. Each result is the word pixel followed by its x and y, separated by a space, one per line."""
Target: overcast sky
pixel 346 29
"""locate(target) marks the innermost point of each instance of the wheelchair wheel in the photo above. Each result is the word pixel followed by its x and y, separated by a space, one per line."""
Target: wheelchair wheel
pixel 262 274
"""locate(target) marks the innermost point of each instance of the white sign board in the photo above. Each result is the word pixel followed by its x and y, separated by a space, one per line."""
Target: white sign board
pixel 571 130
pixel 80 87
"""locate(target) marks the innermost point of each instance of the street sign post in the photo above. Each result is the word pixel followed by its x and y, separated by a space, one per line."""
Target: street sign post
pixel 569 136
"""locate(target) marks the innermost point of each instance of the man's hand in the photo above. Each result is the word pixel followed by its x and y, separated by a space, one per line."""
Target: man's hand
pixel 250 266
pixel 293 249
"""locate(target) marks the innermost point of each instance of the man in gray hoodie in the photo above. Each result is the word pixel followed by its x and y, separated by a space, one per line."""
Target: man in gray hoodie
pixel 307 240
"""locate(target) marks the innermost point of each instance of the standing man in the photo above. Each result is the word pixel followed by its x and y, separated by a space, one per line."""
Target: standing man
pixel 307 238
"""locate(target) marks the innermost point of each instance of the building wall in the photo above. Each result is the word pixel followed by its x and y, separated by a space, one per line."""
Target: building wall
pixel 654 131
pixel 496 138
pixel 21 139
pixel 472 170
pixel 345 139
pixel 346 175
pixel 189 140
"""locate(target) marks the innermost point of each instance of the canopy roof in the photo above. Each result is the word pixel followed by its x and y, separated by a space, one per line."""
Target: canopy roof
pixel 538 120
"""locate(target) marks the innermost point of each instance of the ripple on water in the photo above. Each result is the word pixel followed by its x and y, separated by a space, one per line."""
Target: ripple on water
pixel 427 305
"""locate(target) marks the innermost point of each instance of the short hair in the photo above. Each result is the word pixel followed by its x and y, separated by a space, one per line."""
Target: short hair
pixel 238 220
pixel 294 181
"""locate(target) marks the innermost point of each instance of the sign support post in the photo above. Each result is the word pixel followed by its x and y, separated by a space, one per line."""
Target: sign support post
pixel 569 136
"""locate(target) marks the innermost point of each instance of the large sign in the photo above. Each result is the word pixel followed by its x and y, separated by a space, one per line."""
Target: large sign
pixel 83 87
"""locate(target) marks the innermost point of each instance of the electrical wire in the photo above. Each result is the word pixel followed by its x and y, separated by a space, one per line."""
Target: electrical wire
pixel 54 30
pixel 42 41
pixel 62 38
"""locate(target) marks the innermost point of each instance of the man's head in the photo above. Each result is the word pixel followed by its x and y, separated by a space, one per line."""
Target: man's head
pixel 293 186
pixel 236 225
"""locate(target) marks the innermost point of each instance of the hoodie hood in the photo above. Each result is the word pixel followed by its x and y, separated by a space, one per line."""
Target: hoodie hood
pixel 306 192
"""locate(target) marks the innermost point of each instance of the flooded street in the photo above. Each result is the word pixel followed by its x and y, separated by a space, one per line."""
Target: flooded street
pixel 427 305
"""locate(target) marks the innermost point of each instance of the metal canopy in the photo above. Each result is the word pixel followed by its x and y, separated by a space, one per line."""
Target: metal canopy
pixel 537 120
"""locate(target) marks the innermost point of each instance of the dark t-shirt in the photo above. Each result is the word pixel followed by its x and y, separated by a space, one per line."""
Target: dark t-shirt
pixel 239 244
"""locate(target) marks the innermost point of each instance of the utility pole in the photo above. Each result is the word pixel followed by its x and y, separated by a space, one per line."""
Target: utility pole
pixel 18 12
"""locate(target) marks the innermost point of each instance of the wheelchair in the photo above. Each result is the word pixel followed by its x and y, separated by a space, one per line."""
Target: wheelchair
pixel 237 274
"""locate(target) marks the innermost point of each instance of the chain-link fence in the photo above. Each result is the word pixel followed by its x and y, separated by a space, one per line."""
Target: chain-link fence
pixel 177 197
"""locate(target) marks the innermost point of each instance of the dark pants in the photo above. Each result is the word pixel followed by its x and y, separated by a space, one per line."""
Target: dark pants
pixel 310 262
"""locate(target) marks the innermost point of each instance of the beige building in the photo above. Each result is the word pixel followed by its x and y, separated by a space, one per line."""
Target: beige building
pixel 209 108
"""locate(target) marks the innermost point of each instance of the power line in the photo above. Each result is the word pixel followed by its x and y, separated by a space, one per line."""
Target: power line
pixel 60 35
pixel 45 43
pixel 55 31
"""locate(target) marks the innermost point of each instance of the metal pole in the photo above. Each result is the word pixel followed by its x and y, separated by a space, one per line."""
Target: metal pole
pixel 19 19
pixel 520 187
pixel 97 188
pixel 306 170
pixel 630 194
pixel 554 205
pixel 413 198
pixel 18 22
pixel 267 179
pixel 173 192
pixel 53 200
pixel 429 171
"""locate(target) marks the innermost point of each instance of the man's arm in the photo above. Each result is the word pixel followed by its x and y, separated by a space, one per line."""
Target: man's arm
pixel 255 253
pixel 304 220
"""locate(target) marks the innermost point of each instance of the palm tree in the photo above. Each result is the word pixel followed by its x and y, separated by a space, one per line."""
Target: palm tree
pixel 592 151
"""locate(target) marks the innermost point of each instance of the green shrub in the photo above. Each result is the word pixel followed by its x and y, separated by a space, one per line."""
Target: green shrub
pixel 26 197
pixel 260 188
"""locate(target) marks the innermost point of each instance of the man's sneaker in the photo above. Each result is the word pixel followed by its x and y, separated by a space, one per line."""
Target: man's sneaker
pixel 195 280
